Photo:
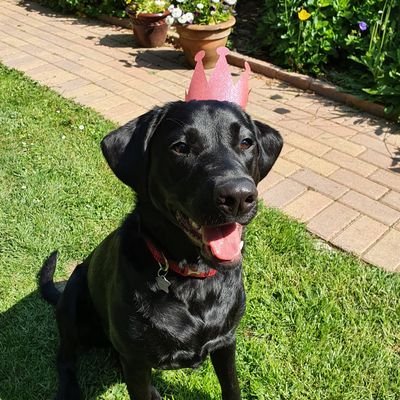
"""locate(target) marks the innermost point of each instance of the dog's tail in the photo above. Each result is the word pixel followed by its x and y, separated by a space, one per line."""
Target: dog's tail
pixel 46 283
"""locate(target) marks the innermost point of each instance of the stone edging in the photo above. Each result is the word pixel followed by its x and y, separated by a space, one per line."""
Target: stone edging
pixel 269 70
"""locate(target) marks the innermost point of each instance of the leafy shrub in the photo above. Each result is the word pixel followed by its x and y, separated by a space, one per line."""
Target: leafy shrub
pixel 88 7
pixel 203 12
pixel 147 6
pixel 364 36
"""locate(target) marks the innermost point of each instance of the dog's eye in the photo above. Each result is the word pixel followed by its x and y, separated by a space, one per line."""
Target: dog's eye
pixel 246 144
pixel 181 148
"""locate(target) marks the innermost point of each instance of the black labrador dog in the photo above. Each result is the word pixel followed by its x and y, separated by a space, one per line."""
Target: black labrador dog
pixel 165 289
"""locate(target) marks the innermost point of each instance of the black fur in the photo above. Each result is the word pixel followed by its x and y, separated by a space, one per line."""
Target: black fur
pixel 201 159
pixel 47 289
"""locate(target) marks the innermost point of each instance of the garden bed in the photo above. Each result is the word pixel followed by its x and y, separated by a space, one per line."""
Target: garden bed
pixel 353 45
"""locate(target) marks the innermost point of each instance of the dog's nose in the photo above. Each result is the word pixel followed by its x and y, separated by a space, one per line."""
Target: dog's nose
pixel 236 197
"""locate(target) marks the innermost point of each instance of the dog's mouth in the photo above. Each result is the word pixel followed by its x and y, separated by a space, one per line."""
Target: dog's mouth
pixel 222 243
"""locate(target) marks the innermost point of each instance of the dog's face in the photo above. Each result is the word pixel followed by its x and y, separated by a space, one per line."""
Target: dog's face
pixel 198 163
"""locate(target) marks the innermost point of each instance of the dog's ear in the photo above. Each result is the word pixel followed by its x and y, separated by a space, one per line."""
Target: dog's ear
pixel 270 144
pixel 125 148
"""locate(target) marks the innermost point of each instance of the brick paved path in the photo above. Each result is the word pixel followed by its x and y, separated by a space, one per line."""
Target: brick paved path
pixel 340 169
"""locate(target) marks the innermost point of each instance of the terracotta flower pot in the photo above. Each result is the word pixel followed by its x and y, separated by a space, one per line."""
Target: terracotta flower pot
pixel 194 38
pixel 150 30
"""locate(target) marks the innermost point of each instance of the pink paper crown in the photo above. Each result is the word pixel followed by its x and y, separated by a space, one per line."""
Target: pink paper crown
pixel 220 86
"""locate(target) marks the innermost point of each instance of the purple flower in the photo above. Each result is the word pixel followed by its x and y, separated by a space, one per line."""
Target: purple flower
pixel 363 26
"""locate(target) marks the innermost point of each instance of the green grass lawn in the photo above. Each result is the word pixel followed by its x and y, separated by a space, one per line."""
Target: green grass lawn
pixel 319 323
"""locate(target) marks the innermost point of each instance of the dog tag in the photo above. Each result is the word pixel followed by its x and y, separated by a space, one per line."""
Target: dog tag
pixel 162 283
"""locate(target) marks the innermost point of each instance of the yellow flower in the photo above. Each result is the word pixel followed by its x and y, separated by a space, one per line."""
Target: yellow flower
pixel 303 15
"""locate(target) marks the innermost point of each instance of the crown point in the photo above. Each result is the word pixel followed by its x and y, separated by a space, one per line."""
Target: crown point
pixel 220 86
pixel 199 56
pixel 222 51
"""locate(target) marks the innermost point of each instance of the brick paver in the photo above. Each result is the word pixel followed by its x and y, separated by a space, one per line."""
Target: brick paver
pixel 285 167
pixel 332 220
pixel 388 178
pixel 320 183
pixel 307 205
pixel 341 144
pixel 283 193
pixel 271 180
pixel 392 199
pixel 385 161
pixel 385 252
pixel 360 235
pixel 350 162
pixel 373 143
pixel 339 171
pixel 316 164
pixel 357 182
pixel 370 207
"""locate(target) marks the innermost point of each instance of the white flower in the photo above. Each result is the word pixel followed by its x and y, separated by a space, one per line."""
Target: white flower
pixel 189 17
pixel 180 1
pixel 171 7
pixel 176 12
pixel 215 1
pixel 200 6
pixel 170 20
pixel 81 127
pixel 159 3
pixel 230 2
pixel 186 18
pixel 182 19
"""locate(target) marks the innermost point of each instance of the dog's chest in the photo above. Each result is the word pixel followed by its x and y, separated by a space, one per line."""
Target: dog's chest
pixel 180 330
pixel 173 353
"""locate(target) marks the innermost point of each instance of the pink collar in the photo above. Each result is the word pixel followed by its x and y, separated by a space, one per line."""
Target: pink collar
pixel 187 270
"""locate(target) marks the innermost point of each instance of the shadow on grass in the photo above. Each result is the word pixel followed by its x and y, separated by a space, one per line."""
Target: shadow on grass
pixel 28 340
pixel 28 346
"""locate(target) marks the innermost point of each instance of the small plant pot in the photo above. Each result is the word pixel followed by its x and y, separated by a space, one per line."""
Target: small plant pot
pixel 194 38
pixel 150 30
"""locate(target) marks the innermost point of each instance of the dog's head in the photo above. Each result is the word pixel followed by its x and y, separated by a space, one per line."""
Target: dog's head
pixel 198 163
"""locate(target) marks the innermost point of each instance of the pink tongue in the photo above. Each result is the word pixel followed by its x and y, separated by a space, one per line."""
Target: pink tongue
pixel 224 241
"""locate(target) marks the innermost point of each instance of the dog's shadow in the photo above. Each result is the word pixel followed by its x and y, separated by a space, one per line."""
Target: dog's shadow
pixel 28 346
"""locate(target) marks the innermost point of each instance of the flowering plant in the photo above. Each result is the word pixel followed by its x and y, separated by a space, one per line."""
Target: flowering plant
pixel 147 6
pixel 203 12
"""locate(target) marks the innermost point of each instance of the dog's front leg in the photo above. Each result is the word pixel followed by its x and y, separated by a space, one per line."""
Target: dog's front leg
pixel 138 381
pixel 68 388
pixel 224 364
